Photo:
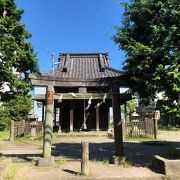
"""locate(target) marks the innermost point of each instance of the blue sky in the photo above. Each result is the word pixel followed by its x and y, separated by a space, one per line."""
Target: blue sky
pixel 72 26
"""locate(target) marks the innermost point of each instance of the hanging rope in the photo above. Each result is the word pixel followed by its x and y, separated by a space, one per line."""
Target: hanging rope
pixel 84 126
pixel 89 104
pixel 103 101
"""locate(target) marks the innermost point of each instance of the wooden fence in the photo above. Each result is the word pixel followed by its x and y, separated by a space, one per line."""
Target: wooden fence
pixel 144 128
pixel 26 128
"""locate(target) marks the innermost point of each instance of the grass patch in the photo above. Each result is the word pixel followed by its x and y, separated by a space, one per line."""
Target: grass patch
pixel 12 171
pixel 2 158
pixel 106 161
pixel 61 160
pixel 33 163
pixel 4 135
pixel 127 164
pixel 38 138
pixel 29 139
pixel 56 137
pixel 168 128
pixel 13 168
pixel 18 160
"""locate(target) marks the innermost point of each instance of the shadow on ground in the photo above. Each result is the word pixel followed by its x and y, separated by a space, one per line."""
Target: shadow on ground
pixel 139 154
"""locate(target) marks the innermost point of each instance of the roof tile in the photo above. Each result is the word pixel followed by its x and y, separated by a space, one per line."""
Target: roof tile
pixel 85 66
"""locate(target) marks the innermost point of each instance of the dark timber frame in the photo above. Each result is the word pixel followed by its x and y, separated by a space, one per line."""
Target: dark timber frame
pixel 62 86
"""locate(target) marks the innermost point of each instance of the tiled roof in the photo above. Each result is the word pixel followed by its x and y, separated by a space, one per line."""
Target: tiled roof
pixel 84 66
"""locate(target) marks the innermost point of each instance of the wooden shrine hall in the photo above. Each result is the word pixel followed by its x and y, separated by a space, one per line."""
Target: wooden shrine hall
pixel 82 91
pixel 82 87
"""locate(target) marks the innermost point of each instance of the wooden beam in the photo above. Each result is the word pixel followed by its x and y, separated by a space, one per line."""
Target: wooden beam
pixel 73 96
pixel 77 96
pixel 42 80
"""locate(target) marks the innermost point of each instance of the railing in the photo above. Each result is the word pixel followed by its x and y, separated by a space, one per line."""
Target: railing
pixel 26 128
pixel 144 128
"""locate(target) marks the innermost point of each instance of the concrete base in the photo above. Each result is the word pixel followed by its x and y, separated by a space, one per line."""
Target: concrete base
pixel 46 162
pixel 165 166
pixel 117 160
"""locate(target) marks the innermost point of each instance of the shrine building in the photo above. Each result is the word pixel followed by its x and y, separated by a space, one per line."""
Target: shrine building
pixel 82 88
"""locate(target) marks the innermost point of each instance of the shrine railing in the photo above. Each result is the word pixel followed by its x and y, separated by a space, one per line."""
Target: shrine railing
pixel 144 128
pixel 26 128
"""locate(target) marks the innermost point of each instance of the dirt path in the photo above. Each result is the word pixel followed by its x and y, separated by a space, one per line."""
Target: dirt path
pixel 169 136
pixel 98 170
pixel 69 149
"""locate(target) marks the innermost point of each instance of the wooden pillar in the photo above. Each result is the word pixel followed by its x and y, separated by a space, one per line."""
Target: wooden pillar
pixel 55 117
pixel 48 125
pixel 24 127
pixel 85 158
pixel 12 135
pixel 97 118
pixel 155 129
pixel 71 119
pixel 59 120
pixel 43 106
pixel 118 135
pixel 108 118
pixel 125 111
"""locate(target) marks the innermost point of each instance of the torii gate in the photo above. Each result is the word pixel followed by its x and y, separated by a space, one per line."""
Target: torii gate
pixel 50 83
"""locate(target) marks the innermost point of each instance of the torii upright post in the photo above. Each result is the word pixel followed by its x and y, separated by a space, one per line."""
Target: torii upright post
pixel 118 134
pixel 48 160
pixel 48 126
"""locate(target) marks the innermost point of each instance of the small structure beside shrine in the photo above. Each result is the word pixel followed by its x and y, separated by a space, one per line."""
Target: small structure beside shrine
pixel 79 93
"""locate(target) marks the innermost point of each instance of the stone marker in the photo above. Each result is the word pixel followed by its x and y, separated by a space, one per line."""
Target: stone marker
pixel 85 158
pixel 46 162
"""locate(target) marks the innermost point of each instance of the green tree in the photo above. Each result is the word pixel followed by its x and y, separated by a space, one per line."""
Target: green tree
pixel 4 118
pixel 19 107
pixel 16 53
pixel 15 109
pixel 130 107
pixel 150 36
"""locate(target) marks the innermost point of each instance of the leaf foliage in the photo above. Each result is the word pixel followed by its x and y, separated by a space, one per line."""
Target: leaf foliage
pixel 16 52
pixel 150 36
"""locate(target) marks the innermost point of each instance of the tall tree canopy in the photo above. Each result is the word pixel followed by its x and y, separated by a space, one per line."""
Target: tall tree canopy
pixel 16 52
pixel 150 36
pixel 16 109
